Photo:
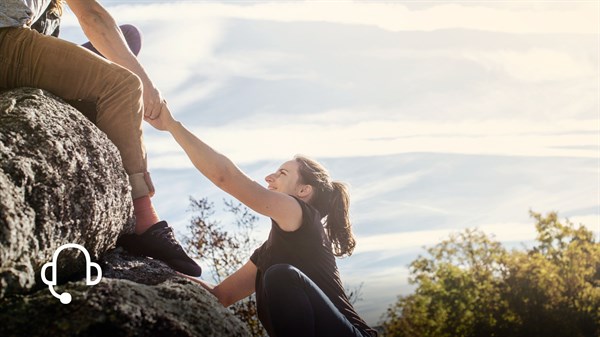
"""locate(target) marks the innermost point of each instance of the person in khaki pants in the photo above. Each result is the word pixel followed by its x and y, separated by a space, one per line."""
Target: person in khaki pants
pixel 119 87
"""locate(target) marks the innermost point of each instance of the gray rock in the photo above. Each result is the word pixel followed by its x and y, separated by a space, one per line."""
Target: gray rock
pixel 136 297
pixel 61 181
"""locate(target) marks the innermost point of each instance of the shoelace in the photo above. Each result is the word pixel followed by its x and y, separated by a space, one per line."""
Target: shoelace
pixel 166 233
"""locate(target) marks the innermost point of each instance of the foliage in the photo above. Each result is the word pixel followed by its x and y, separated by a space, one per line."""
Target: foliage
pixel 354 294
pixel 225 251
pixel 469 285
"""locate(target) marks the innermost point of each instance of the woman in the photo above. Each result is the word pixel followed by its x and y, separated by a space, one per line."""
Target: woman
pixel 117 85
pixel 294 274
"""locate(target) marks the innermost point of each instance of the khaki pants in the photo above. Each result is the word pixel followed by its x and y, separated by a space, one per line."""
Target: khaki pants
pixel 30 59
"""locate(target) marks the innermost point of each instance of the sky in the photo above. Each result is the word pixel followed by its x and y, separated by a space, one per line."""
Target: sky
pixel 439 115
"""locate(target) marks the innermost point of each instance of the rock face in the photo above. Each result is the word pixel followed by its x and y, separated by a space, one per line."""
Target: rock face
pixel 136 297
pixel 62 181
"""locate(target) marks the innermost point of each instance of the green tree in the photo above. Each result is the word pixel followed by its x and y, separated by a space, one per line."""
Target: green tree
pixel 554 288
pixel 469 285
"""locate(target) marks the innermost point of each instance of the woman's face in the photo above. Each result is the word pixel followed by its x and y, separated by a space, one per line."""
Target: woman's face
pixel 286 179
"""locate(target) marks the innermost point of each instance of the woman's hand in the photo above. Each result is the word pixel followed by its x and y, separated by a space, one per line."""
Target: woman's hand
pixel 235 287
pixel 205 285
pixel 164 120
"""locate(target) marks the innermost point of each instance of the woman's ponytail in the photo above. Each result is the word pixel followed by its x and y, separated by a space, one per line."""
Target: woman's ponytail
pixel 332 200
pixel 338 224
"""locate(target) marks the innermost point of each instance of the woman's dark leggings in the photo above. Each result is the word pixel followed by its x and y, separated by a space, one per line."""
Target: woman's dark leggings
pixel 298 307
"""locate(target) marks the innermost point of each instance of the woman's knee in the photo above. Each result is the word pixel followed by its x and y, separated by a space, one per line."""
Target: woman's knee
pixel 280 274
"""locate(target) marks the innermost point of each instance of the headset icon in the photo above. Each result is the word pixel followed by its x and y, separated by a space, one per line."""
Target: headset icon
pixel 65 298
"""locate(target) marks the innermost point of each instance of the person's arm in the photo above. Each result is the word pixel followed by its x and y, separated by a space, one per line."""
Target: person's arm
pixel 235 287
pixel 203 283
pixel 104 34
pixel 281 207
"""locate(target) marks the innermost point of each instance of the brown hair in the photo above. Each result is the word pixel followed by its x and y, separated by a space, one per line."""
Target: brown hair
pixel 332 200
pixel 56 6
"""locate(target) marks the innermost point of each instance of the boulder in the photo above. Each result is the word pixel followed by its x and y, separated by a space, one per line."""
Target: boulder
pixel 136 297
pixel 61 181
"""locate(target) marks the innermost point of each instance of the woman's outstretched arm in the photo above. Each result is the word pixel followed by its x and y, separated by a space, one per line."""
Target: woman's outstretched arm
pixel 228 177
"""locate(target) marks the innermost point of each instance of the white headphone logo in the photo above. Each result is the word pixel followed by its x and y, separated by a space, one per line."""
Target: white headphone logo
pixel 65 298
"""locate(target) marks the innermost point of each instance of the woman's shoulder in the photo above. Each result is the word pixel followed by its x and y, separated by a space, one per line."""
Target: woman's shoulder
pixel 310 226
pixel 307 208
pixel 310 215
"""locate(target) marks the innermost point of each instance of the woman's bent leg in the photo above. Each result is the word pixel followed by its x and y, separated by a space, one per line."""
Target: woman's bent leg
pixel 297 307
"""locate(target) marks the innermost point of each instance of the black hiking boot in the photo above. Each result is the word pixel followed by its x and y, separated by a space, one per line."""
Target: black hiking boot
pixel 159 242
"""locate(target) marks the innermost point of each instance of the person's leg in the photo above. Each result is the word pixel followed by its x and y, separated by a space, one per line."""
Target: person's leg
pixel 68 71
pixel 145 213
pixel 132 35
pixel 144 210
pixel 29 59
pixel 298 307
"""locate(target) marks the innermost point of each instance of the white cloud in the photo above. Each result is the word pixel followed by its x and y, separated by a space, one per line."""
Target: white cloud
pixel 535 65
pixel 276 140
pixel 192 93
pixel 592 222
pixel 255 64
pixel 510 232
pixel 385 184
pixel 403 242
pixel 523 18
pixel 381 287
pixel 179 53
pixel 520 18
